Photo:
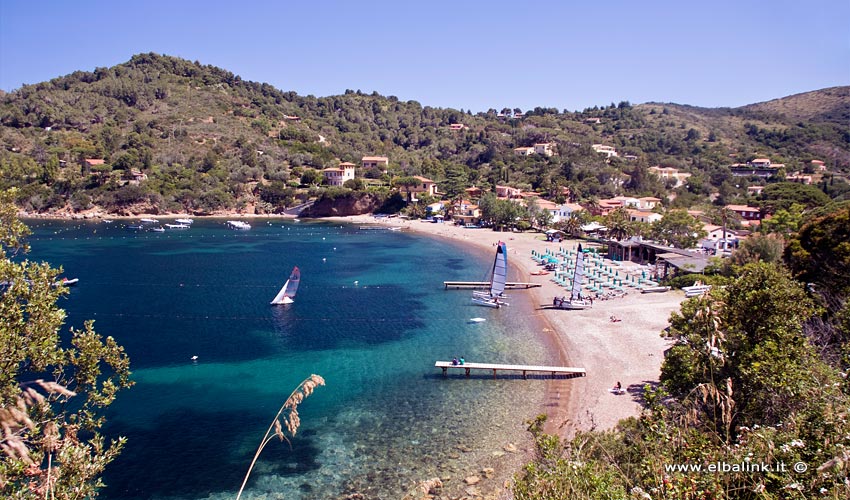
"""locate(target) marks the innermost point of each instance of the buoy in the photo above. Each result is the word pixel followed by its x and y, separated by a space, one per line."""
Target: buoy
pixel 194 358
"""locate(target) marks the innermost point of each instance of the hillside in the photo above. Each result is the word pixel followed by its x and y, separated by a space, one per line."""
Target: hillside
pixel 176 135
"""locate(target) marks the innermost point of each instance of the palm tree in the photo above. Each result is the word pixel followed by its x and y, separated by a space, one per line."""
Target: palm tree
pixel 619 226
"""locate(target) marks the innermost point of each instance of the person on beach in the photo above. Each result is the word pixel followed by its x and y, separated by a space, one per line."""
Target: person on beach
pixel 618 388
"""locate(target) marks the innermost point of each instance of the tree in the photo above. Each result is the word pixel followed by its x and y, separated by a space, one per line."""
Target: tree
pixel 618 223
pixel 52 395
pixel 311 177
pixel 679 229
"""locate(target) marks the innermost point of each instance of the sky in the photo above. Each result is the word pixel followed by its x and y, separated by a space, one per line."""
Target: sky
pixel 471 55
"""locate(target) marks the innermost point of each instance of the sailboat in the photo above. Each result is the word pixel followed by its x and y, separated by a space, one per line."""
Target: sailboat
pixel 287 292
pixel 498 276
pixel 575 301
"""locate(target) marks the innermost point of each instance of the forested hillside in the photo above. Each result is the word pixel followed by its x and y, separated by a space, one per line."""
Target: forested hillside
pixel 177 135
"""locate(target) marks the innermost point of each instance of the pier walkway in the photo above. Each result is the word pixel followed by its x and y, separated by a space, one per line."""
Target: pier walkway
pixel 554 370
pixel 511 285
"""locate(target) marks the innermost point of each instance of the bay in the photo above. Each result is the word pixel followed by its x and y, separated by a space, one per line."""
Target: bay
pixel 371 317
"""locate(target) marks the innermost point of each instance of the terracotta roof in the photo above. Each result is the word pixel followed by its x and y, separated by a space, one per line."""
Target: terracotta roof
pixel 94 161
pixel 742 208
pixel 423 179
pixel 375 158
pixel 761 160
pixel 347 164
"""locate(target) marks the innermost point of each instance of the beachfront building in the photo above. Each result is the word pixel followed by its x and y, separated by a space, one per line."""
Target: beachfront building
pixel 566 210
pixel 425 186
pixel 466 212
pixel 548 206
pixel 608 151
pixel 336 176
pixel 379 162
pixel 666 173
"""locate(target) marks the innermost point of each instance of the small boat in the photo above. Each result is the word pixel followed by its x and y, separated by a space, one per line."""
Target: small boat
pixel 178 226
pixel 477 320
pixel 184 221
pixel 655 289
pixel 498 275
pixel 107 221
pixel 238 224
pixel 158 229
pixel 575 302
pixel 134 227
pixel 148 221
pixel 287 292
pixel 697 289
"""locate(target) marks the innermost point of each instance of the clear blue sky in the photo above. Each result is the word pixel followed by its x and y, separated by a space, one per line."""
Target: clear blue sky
pixel 567 54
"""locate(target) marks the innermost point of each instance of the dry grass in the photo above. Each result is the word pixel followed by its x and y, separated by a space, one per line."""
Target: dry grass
pixel 288 415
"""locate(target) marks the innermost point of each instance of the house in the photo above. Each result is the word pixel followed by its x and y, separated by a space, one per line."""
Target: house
pixel 643 216
pixel 526 151
pixel 593 120
pixel 549 206
pixel 760 167
pixel 630 157
pixel 648 202
pixel 91 162
pixel 746 213
pixel 507 192
pixel 457 126
pixel 467 213
pixel 473 192
pixel 336 176
pixel 818 166
pixel 718 239
pixel 755 190
pixel 797 177
pixel 665 173
pixel 544 148
pixel 425 186
pixel 138 175
pixel 608 151
pixel 566 210
pixel 379 162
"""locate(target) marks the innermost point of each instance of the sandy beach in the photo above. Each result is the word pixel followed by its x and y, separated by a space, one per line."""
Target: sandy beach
pixel 629 351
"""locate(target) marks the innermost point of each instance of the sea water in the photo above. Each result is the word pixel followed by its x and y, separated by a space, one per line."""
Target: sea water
pixel 371 316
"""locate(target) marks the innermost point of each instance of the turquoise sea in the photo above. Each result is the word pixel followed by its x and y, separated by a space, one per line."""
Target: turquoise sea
pixel 371 317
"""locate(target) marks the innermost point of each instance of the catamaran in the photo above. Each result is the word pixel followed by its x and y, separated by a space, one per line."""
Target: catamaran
pixel 575 301
pixel 498 275
pixel 287 292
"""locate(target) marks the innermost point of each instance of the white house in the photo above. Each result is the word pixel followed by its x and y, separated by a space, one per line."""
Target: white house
pixel 524 151
pixel 544 148
pixel 643 216
pixel 648 202
pixel 608 151
pixel 665 173
pixel 566 210
pixel 380 162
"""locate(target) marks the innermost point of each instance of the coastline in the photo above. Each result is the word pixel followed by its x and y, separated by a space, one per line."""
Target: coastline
pixel 630 351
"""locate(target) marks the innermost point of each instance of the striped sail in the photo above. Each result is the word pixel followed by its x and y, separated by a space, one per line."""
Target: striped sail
pixel 287 292
pixel 578 276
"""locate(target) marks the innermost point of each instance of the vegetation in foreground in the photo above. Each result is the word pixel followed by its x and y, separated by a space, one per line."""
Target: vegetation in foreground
pixel 54 386
pixel 755 386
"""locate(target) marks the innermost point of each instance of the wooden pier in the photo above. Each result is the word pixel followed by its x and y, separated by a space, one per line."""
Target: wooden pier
pixel 525 369
pixel 511 285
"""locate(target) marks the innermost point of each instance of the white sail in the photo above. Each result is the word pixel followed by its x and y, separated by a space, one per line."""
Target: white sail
pixel 498 276
pixel 578 276
pixel 287 292
pixel 500 271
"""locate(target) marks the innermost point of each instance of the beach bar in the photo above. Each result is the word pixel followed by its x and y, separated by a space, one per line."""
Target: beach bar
pixel 554 370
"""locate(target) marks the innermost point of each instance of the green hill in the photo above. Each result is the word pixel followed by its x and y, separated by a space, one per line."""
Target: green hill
pixel 202 139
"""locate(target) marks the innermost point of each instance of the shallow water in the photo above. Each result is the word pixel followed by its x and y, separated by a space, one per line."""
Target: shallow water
pixel 371 317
